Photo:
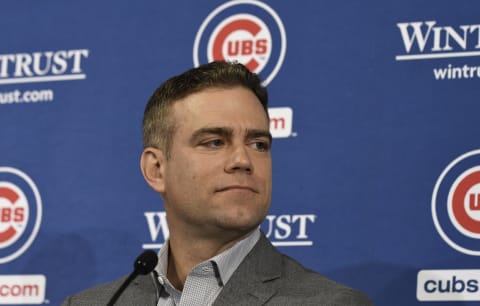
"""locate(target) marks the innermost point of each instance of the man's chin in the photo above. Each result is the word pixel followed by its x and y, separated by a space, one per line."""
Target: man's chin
pixel 241 224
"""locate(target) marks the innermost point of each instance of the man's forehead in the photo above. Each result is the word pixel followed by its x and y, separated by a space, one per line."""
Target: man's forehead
pixel 222 127
pixel 229 108
pixel 211 93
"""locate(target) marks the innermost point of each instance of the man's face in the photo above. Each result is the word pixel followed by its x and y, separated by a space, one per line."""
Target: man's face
pixel 219 174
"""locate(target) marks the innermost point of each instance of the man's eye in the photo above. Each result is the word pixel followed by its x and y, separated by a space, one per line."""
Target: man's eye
pixel 213 143
pixel 261 146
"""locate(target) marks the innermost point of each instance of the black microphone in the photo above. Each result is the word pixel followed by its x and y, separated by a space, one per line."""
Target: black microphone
pixel 144 264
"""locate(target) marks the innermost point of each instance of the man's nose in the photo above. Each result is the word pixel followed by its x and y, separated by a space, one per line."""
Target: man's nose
pixel 239 159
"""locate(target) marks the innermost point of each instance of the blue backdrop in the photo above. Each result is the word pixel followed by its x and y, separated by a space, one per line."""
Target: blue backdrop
pixel 375 120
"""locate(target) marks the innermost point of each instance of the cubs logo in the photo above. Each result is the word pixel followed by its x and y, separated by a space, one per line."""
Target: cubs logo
pixel 13 213
pixel 20 213
pixel 456 204
pixel 244 31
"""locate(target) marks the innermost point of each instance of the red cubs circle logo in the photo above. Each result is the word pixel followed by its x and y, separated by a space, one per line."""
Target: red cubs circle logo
pixel 464 203
pixel 20 213
pixel 244 31
pixel 456 204
pixel 241 38
pixel 13 213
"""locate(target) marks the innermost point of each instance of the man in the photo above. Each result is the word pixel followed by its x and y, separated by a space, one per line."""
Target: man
pixel 207 152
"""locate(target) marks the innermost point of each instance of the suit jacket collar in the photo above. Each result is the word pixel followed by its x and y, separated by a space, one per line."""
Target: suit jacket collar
pixel 251 283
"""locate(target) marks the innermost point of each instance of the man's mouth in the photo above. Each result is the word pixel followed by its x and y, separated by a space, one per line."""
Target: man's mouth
pixel 237 188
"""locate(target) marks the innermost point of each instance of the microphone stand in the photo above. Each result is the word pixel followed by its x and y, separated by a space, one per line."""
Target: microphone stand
pixel 144 264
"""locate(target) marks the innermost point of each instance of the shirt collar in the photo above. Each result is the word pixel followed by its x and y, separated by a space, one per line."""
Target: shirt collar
pixel 229 260
pixel 162 264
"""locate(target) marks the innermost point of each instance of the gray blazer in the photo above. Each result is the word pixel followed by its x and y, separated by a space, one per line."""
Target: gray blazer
pixel 265 277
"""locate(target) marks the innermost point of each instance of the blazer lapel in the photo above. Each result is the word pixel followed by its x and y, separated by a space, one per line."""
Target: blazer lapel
pixel 253 281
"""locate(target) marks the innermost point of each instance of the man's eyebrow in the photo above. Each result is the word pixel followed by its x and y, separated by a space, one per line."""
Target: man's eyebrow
pixel 227 132
pixel 259 133
pixel 220 131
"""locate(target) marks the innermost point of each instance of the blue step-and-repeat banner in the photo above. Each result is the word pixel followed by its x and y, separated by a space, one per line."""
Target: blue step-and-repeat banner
pixel 375 111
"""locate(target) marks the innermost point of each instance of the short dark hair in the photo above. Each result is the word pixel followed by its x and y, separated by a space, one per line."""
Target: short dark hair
pixel 158 125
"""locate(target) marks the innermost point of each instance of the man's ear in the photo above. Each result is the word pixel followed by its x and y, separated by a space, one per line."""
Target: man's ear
pixel 152 163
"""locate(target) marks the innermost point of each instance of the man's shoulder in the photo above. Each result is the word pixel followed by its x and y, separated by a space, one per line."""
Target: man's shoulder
pixel 313 286
pixel 139 292
pixel 287 282
pixel 98 295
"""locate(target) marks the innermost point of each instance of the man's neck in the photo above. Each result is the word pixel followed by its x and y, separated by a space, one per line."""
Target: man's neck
pixel 185 254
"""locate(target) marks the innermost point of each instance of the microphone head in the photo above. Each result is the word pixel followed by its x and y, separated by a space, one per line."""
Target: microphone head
pixel 145 262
